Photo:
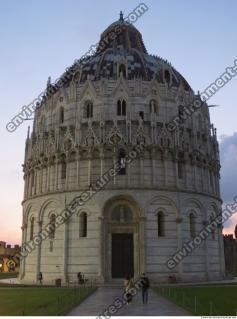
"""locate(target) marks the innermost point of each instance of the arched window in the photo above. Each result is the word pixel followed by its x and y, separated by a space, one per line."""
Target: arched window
pixel 181 112
pixel 122 214
pixel 89 109
pixel 121 108
pixel 32 222
pixel 211 181
pixel 124 108
pixel 213 234
pixel 167 77
pixel 52 226
pixel 122 162
pixel 153 107
pixel 32 178
pixel 42 123
pixel 192 224
pixel 122 70
pixel 83 225
pixel 63 169
pixel 213 228
pixel 141 115
pixel 61 115
pixel 161 224
pixel 180 169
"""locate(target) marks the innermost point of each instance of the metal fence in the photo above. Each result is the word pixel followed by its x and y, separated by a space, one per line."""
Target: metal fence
pixel 190 303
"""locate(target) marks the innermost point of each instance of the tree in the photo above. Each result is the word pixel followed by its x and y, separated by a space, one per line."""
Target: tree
pixel 236 231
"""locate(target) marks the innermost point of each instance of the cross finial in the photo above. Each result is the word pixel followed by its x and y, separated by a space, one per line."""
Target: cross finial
pixel 121 16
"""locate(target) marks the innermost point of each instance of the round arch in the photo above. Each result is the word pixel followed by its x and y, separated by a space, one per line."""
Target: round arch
pixel 194 204
pixel 122 241
pixel 55 205
pixel 121 200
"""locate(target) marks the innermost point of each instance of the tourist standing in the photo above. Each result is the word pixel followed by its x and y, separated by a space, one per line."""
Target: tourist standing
pixel 40 278
pixel 145 287
pixel 80 278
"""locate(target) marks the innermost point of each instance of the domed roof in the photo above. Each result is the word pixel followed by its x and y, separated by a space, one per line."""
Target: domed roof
pixel 121 33
pixel 122 44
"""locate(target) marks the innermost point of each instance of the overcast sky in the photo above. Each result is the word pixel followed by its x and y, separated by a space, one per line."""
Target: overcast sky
pixel 42 38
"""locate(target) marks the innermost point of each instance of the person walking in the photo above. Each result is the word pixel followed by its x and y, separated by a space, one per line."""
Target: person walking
pixel 145 287
pixel 80 278
pixel 40 277
pixel 128 283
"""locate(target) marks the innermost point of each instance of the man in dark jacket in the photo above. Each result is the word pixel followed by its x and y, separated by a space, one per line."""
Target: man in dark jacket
pixel 145 286
pixel 40 277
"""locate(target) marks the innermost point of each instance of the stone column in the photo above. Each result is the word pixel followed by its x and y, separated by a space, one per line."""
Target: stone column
pixel 205 223
pixel 202 179
pixel 78 170
pixel 65 251
pixel 101 162
pixel 208 180
pixel 128 168
pixel 213 182
pixel 56 174
pixel 164 159
pixel 141 241
pixel 195 175
pixel 153 153
pixel 67 171
pixel 38 252
pixel 89 170
pixel 141 171
pixel 48 176
pixel 35 180
pixel 101 249
pixel 114 161
pixel 218 184
pixel 176 173
pixel 30 184
pixel 179 220
pixel 221 252
pixel 23 260
pixel 41 178
pixel 38 180
pixel 25 185
pixel 185 174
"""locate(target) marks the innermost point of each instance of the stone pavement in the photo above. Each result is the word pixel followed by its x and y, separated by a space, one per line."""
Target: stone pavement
pixel 95 304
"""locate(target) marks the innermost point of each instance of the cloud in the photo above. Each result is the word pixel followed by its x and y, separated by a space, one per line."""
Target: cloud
pixel 228 182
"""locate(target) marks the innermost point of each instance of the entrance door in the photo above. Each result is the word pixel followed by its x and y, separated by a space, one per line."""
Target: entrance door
pixel 122 255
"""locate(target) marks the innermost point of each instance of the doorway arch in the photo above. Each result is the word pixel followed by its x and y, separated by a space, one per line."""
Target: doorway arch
pixel 123 238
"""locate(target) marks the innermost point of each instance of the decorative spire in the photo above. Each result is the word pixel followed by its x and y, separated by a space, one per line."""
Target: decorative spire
pixel 121 16
pixel 49 81
pixel 28 133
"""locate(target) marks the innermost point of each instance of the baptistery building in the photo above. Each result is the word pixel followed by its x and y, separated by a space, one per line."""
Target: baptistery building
pixel 100 110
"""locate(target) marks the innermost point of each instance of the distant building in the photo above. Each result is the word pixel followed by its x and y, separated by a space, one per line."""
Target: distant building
pixel 230 246
pixel 7 264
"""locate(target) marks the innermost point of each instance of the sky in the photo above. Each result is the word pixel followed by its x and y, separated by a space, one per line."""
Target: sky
pixel 41 38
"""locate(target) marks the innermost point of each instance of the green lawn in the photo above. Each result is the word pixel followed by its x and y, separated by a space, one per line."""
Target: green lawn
pixel 203 300
pixel 5 275
pixel 40 301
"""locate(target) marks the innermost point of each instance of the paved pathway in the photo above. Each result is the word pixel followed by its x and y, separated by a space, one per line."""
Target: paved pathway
pixel 105 296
